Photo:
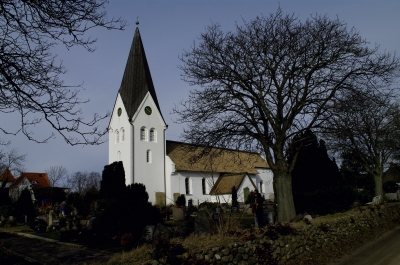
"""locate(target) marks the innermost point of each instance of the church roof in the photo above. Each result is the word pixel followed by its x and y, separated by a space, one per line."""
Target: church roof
pixel 137 80
pixel 225 182
pixel 188 157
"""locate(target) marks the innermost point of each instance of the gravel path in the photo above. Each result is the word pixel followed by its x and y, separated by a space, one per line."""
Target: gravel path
pixel 44 251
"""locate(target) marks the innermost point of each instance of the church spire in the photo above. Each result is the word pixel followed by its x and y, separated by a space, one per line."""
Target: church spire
pixel 137 80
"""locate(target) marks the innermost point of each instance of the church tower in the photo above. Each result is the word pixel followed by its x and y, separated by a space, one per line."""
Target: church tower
pixel 137 127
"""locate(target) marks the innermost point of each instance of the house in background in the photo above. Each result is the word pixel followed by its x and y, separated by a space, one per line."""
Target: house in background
pixel 7 177
pixel 30 181
pixel 137 137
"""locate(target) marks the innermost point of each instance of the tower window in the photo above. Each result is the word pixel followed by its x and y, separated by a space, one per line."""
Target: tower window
pixel 116 136
pixel 152 135
pixel 203 185
pixel 261 187
pixel 143 134
pixel 122 134
pixel 148 156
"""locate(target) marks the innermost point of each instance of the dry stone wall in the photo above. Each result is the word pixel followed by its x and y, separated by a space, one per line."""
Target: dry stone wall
pixel 319 235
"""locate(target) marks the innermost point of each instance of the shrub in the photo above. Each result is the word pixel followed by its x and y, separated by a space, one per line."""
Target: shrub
pixel 129 214
pixel 24 206
pixel 390 187
pixel 364 196
pixel 181 200
pixel 328 200
pixel 6 210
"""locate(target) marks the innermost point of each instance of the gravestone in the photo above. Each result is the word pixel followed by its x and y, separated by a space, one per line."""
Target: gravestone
pixel 51 216
pixel 148 233
pixel 203 223
pixel 271 197
pixel 162 231
pixel 235 209
pixel 176 195
pixel 160 198
pixel 178 214
pixel 90 223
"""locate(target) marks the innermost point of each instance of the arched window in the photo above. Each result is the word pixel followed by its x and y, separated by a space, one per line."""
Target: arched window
pixel 261 187
pixel 203 186
pixel 187 185
pixel 122 134
pixel 116 136
pixel 119 156
pixel 143 134
pixel 152 135
pixel 148 156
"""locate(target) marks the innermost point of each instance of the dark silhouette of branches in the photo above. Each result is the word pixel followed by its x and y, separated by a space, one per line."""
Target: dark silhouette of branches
pixel 367 125
pixel 30 77
pixel 271 79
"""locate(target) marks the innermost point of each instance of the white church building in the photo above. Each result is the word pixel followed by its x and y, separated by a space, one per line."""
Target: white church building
pixel 137 137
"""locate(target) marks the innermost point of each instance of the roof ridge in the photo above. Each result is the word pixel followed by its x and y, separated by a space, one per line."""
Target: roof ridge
pixel 222 148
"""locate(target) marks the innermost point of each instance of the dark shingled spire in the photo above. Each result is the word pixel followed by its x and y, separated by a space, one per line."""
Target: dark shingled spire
pixel 136 81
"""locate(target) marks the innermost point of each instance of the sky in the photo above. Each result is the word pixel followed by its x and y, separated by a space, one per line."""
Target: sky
pixel 168 27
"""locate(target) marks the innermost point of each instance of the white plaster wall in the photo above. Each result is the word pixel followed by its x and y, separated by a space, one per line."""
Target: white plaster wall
pixel 151 174
pixel 169 172
pixel 123 147
pixel 176 184
pixel 133 152
pixel 177 181
pixel 227 198
pixel 267 177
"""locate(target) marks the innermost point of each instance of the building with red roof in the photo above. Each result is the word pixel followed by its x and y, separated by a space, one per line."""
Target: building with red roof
pixel 30 181
pixel 7 177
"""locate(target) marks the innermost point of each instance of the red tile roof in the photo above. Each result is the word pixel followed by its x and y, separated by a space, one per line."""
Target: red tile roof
pixel 7 175
pixel 36 179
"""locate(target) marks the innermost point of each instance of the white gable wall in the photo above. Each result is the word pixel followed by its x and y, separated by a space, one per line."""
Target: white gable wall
pixel 266 186
pixel 149 172
pixel 121 150
pixel 227 198
pixel 133 151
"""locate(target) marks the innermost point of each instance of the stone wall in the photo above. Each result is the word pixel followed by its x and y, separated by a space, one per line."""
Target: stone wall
pixel 321 235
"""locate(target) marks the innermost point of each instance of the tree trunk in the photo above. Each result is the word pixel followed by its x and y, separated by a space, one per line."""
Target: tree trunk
pixel 284 196
pixel 378 186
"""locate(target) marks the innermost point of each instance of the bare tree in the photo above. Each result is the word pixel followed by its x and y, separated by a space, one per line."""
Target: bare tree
pixel 81 182
pixel 55 174
pixel 13 161
pixel 368 126
pixel 30 77
pixel 270 80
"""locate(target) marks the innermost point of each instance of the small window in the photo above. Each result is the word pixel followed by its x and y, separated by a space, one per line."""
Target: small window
pixel 203 185
pixel 152 135
pixel 143 134
pixel 187 185
pixel 261 187
pixel 148 156
pixel 116 136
